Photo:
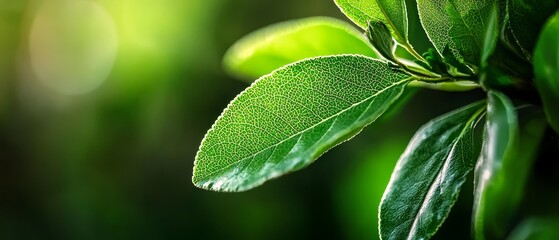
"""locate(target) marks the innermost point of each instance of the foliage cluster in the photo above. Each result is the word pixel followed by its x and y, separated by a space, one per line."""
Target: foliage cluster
pixel 328 81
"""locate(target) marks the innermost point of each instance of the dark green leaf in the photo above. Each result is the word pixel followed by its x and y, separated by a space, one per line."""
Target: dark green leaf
pixel 287 119
pixel 455 66
pixel 379 36
pixel 428 176
pixel 505 162
pixel 434 61
pixel 527 18
pixel 274 46
pixel 546 68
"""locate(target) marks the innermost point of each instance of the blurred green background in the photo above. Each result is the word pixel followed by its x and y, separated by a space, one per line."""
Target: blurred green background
pixel 102 107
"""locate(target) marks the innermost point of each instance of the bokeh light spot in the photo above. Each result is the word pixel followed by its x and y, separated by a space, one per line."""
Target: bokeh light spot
pixel 72 46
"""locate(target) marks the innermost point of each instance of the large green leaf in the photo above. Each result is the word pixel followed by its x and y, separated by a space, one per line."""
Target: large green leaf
pixel 526 20
pixel 428 176
pixel 546 68
pixel 506 159
pixel 287 119
pixel 274 46
pixel 459 25
pixel 391 12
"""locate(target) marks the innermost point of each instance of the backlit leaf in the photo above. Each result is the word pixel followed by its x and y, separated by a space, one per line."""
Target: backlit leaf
pixel 280 44
pixel 287 119
pixel 457 24
pixel 391 12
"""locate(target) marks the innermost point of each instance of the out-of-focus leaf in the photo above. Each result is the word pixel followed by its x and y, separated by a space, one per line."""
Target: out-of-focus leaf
pixel 491 37
pixel 287 119
pixel 508 152
pixel 428 176
pixel 391 12
pixel 546 68
pixel 274 46
pixel 536 229
pixel 458 25
pixel 526 20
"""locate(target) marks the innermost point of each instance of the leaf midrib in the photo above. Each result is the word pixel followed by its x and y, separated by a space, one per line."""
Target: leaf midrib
pixel 313 126
pixel 387 18
pixel 460 136
pixel 471 33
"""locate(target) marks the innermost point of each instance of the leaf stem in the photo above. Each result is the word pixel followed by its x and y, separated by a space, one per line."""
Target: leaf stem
pixel 445 79
pixel 412 51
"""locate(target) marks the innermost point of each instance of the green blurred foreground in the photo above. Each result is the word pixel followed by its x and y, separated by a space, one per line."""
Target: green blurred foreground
pixel 103 105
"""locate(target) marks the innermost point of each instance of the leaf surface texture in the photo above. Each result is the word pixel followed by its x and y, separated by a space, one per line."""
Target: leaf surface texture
pixel 287 119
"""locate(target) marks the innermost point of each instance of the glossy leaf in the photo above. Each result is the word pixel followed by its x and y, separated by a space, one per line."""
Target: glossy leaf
pixel 428 176
pixel 287 119
pixel 526 20
pixel 280 44
pixel 457 24
pixel 391 12
pixel 546 68
pixel 508 152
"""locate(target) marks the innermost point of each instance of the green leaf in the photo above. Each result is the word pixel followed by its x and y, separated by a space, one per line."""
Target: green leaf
pixel 457 24
pixel 379 36
pixel 546 68
pixel 287 119
pixel 455 66
pixel 526 20
pixel 274 46
pixel 536 228
pixel 391 12
pixel 491 37
pixel 507 155
pixel 433 62
pixel 427 179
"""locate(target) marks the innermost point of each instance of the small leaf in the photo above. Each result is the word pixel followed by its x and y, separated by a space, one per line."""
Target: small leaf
pixel 526 20
pixel 428 176
pixel 504 164
pixel 283 43
pixel 391 12
pixel 379 36
pixel 287 119
pixel 546 68
pixel 458 25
